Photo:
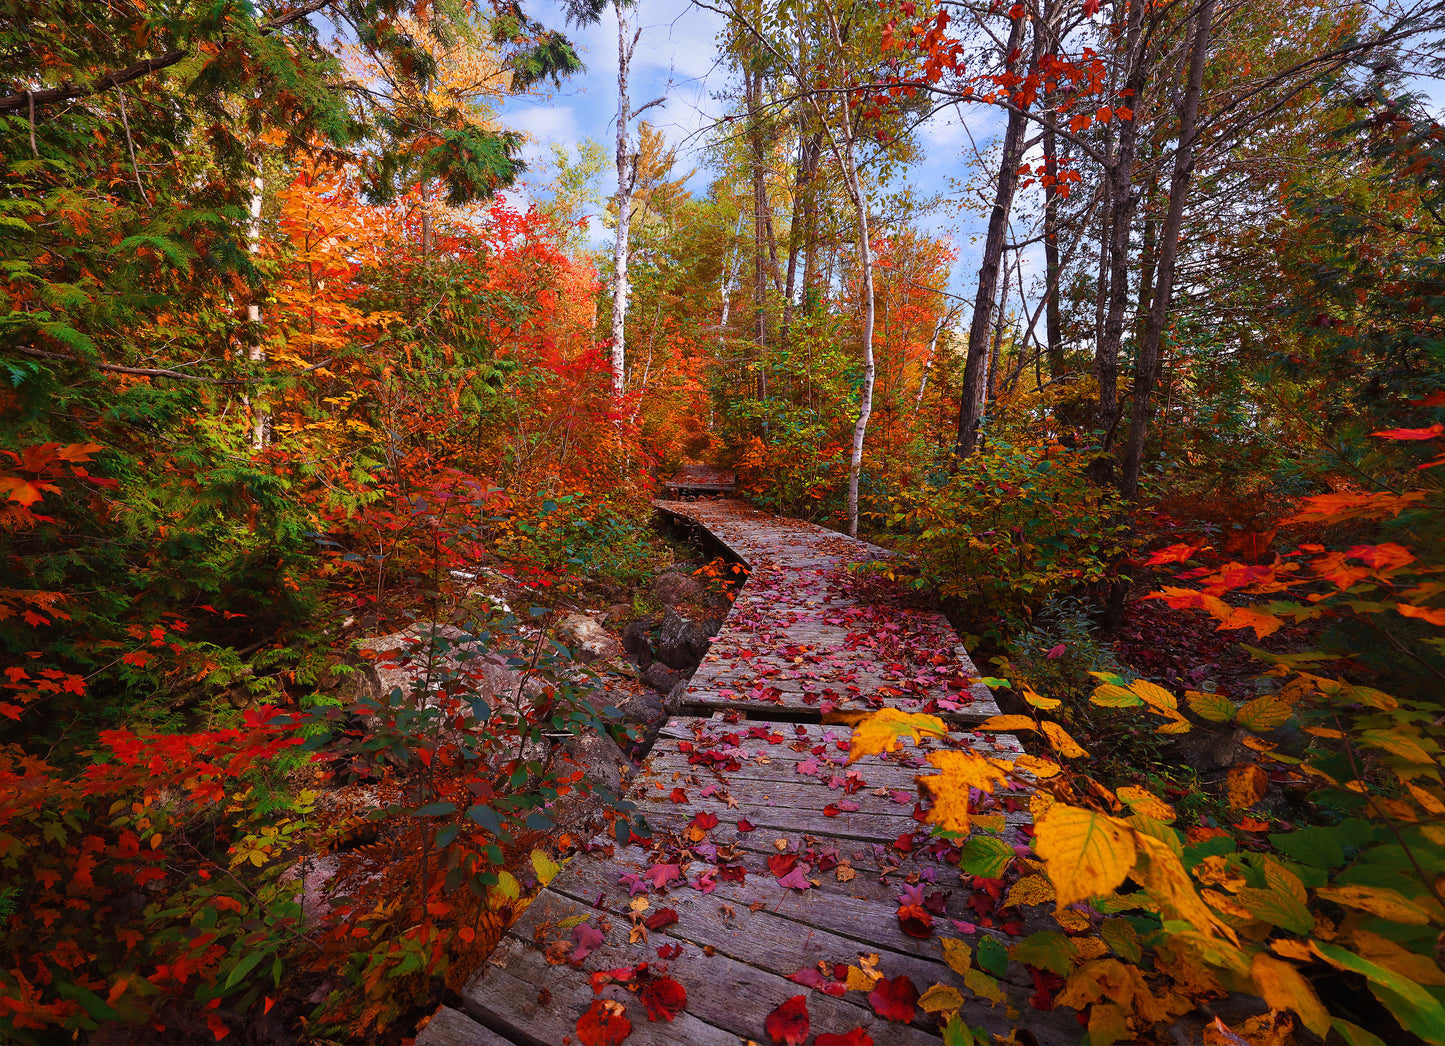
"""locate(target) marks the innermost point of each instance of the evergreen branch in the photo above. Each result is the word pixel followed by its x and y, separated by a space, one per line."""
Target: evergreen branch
pixel 30 99
pixel 162 372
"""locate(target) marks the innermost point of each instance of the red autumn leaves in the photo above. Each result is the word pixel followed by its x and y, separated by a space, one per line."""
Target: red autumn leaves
pixel 605 1022
pixel 788 1025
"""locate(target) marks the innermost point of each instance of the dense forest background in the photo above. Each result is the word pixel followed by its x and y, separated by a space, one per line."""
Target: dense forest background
pixel 283 369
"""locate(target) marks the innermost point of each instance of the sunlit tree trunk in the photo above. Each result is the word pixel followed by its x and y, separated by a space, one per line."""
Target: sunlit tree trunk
pixel 1147 372
pixel 975 368
pixel 260 412
pixel 626 182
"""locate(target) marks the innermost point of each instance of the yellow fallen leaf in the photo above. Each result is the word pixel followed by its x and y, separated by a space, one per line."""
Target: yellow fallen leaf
pixel 940 998
pixel 1246 785
pixel 957 954
pixel 982 984
pixel 884 731
pixel 1034 889
pixel 1087 854
pixel 858 981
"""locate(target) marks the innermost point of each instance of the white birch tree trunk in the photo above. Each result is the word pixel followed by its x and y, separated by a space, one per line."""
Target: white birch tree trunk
pixel 260 414
pixel 626 182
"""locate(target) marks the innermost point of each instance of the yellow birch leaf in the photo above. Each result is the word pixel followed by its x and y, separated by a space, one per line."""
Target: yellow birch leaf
pixel 1246 785
pixel 949 790
pixel 957 954
pixel 544 866
pixel 989 822
pixel 1214 707
pixel 858 981
pixel 1038 700
pixel 1107 1024
pixel 1377 900
pixel 1062 743
pixel 1280 985
pixel 940 998
pixel 1087 854
pixel 1039 767
pixel 982 984
pixel 1111 695
pixel 1431 802
pixel 1034 889
pixel 1264 713
pixel 1143 801
pixel 1039 802
pixel 1162 874
pixel 1154 694
pixel 1004 723
pixel 1071 921
pixel 884 731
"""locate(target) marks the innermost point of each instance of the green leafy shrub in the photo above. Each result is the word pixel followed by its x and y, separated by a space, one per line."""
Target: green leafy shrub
pixel 1013 527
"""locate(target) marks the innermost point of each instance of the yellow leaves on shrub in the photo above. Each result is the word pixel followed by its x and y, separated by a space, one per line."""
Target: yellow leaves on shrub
pixel 1162 874
pixel 960 771
pixel 1377 900
pixel 1038 700
pixel 1246 785
pixel 1065 745
pixel 1144 802
pixel 1038 766
pixel 1264 713
pixel 1280 985
pixel 1086 854
pixel 1214 707
pixel 1005 723
pixel 884 731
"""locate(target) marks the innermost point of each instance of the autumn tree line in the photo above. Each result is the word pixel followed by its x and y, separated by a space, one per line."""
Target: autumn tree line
pixel 277 355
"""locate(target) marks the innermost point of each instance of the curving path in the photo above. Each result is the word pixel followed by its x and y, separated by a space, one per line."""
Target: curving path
pixel 774 866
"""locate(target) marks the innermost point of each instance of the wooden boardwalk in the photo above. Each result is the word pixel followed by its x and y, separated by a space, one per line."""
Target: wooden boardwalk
pixel 774 866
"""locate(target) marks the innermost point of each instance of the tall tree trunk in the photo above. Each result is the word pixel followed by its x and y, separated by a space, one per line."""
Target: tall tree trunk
pixel 1147 376
pixel 975 368
pixel 260 411
pixel 1053 315
pixel 809 151
pixel 626 182
pixel 1123 202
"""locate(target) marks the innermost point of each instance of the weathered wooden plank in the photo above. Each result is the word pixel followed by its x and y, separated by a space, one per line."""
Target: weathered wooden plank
pixel 539 1005
pixel 725 994
pixel 449 1027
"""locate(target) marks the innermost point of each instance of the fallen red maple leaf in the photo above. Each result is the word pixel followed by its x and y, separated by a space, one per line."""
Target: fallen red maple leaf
pixel 660 918
pixel 664 998
pixel 669 951
pixel 704 821
pixel 604 1024
pixel 788 1024
pixel 856 1037
pixel 894 999
pixel 915 920
pixel 745 825
pixel 781 864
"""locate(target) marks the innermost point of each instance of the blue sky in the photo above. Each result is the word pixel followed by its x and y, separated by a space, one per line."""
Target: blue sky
pixel 677 57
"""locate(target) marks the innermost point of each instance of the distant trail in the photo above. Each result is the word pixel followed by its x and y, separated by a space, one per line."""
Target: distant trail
pixel 771 853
